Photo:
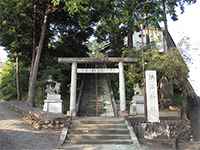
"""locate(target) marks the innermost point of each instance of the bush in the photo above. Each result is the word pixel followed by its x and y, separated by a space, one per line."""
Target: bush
pixel 7 82
pixel 178 99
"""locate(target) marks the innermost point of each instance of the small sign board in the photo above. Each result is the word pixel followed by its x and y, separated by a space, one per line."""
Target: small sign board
pixel 97 70
pixel 151 96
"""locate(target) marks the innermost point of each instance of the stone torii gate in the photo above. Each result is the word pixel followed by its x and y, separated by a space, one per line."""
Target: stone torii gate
pixel 87 60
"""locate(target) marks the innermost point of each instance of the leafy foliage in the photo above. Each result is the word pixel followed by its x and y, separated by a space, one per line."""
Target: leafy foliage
pixel 15 25
pixel 95 49
pixel 168 65
pixel 172 5
pixel 7 82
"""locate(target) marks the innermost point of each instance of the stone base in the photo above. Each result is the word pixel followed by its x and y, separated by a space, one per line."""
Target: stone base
pixel 123 113
pixel 71 113
pixel 132 110
pixel 140 109
pixel 53 97
pixel 53 106
pixel 138 101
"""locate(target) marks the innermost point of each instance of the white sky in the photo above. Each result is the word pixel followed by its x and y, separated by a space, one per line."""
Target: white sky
pixel 188 24
pixel 2 54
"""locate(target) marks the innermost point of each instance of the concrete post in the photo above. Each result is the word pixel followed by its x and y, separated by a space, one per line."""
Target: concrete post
pixel 122 93
pixel 73 89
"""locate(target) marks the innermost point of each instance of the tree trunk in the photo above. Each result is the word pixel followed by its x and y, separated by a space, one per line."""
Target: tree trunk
pixel 148 33
pixel 33 36
pixel 17 78
pixel 130 39
pixel 33 78
pixel 165 32
pixel 142 35
pixel 33 39
pixel 164 15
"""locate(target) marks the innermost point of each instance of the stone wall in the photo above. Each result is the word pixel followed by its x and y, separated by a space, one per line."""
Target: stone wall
pixel 171 132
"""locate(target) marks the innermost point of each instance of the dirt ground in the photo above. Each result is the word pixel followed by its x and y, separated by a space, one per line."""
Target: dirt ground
pixel 16 135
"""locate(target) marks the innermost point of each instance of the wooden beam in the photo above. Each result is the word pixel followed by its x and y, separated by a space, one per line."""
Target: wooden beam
pixel 96 60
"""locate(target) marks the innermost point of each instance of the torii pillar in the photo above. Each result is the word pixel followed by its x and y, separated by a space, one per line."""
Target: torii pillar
pixel 72 108
pixel 122 91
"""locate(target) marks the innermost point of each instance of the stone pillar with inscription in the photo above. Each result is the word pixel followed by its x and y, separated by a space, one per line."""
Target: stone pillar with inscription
pixel 72 108
pixel 151 96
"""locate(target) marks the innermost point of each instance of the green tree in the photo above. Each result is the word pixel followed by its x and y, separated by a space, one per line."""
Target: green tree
pixel 69 26
pixel 7 75
pixel 169 65
pixel 8 87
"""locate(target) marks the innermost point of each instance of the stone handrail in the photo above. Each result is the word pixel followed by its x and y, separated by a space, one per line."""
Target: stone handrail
pixel 79 97
pixel 114 104
pixel 115 109
pixel 63 136
pixel 132 134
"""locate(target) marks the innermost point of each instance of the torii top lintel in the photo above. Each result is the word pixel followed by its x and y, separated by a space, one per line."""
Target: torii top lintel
pixel 96 60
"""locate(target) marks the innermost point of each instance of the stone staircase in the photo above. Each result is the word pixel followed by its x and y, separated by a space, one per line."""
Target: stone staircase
pixel 96 128
pixel 96 98
pixel 99 133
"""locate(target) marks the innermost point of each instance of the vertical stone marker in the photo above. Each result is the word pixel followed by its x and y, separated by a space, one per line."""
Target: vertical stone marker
pixel 151 96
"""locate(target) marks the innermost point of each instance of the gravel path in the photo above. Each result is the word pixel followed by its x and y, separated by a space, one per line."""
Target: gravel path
pixel 16 135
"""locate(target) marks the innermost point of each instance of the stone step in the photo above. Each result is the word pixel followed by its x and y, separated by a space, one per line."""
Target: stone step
pixel 94 104
pixel 89 114
pixel 102 141
pixel 89 95
pixel 102 131
pixel 90 89
pixel 99 147
pixel 98 119
pixel 89 105
pixel 88 99
pixel 91 109
pixel 92 112
pixel 120 121
pixel 99 136
pixel 98 126
pixel 94 100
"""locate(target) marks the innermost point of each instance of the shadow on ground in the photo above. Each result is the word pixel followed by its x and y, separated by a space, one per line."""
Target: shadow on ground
pixel 16 140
